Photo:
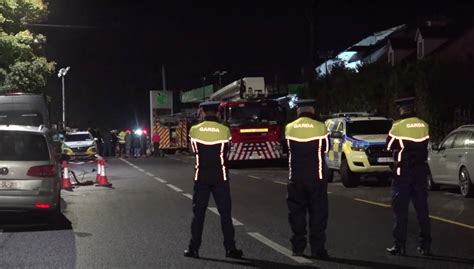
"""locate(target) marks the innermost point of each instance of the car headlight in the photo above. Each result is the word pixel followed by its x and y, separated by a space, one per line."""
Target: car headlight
pixel 358 147
pixel 92 149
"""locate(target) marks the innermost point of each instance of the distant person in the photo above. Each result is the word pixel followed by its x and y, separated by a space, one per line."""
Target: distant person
pixel 114 143
pixel 210 142
pixel 307 185
pixel 156 144
pixel 409 139
pixel 128 143
pixel 107 140
pixel 136 145
pixel 121 142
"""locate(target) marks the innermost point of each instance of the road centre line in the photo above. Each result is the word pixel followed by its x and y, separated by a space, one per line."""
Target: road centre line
pixel 149 174
pixel 141 170
pixel 278 182
pixel 372 203
pixel 173 187
pixel 431 216
pixel 188 195
pixel 255 177
pixel 160 180
pixel 278 248
pixel 234 221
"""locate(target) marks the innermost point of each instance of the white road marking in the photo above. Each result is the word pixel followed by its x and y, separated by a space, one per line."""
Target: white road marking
pixel 160 180
pixel 278 248
pixel 278 182
pixel 149 174
pixel 173 187
pixel 234 221
pixel 141 170
pixel 254 177
pixel 329 192
pixel 188 195
pixel 234 173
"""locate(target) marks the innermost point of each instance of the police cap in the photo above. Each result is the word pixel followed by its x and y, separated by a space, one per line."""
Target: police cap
pixel 305 103
pixel 209 106
pixel 405 102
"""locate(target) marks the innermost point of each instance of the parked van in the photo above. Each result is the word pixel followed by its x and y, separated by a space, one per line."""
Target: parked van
pixel 23 109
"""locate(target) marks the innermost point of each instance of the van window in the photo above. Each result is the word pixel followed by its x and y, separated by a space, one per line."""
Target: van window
pixel 461 140
pixel 28 118
pixel 23 146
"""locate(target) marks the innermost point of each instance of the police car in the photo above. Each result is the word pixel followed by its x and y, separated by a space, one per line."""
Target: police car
pixel 357 147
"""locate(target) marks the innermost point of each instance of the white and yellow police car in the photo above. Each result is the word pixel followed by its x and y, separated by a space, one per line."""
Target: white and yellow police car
pixel 357 147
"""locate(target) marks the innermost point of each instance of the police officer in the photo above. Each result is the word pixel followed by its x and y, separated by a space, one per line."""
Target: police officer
pixel 307 188
pixel 210 141
pixel 408 139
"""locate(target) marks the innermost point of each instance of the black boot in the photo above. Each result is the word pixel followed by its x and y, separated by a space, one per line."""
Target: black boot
pixel 298 253
pixel 192 253
pixel 425 251
pixel 234 253
pixel 320 254
pixel 396 250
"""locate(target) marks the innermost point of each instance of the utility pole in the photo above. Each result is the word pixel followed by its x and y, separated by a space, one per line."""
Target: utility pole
pixel 163 76
pixel 61 74
pixel 220 74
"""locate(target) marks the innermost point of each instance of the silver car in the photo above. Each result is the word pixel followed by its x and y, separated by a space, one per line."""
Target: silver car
pixel 29 172
pixel 452 161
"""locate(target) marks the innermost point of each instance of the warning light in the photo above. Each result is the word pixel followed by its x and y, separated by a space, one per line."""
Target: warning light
pixel 43 206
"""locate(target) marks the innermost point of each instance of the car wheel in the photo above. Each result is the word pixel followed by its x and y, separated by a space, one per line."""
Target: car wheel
pixel 430 183
pixel 465 184
pixel 348 178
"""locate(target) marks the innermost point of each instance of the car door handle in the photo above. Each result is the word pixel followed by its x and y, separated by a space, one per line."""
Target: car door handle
pixel 460 156
pixel 444 156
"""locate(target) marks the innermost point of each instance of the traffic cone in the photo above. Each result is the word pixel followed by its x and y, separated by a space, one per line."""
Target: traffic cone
pixel 99 167
pixel 103 180
pixel 65 181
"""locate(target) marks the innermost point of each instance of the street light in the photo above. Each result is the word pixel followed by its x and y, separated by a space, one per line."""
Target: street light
pixel 61 74
pixel 220 74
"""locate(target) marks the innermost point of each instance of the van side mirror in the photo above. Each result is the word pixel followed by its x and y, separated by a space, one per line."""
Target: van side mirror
pixel 336 135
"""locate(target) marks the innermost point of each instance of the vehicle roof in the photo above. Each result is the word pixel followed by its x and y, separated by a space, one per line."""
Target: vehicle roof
pixel 33 129
pixel 78 133
pixel 250 102
pixel 464 127
pixel 360 118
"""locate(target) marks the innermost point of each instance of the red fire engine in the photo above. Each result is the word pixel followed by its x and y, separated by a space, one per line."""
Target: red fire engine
pixel 255 122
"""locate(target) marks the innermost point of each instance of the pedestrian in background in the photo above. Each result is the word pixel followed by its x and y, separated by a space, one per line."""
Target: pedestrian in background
pixel 409 139
pixel 136 145
pixel 307 187
pixel 128 143
pixel 121 142
pixel 210 141
pixel 107 142
pixel 156 144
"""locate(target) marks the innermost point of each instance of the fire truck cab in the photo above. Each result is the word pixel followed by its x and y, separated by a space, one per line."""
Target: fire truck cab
pixel 256 122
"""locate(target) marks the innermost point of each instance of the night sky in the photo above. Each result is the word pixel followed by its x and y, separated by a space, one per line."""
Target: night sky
pixel 117 60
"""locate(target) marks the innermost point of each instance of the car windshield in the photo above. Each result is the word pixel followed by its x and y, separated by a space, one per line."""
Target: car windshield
pixel 23 146
pixel 28 118
pixel 368 127
pixel 77 137
pixel 254 115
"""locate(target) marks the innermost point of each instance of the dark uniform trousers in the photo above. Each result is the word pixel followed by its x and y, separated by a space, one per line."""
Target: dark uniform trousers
pixel 308 196
pixel 411 185
pixel 221 193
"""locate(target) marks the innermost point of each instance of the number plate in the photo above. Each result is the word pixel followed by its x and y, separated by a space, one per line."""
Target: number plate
pixel 385 160
pixel 6 185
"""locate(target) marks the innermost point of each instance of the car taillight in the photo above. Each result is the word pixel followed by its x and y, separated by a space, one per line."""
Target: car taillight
pixel 43 206
pixel 42 171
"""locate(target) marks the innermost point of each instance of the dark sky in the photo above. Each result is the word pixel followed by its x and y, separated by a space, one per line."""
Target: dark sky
pixel 115 63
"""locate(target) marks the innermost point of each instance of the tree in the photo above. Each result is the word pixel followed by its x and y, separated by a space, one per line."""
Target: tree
pixel 22 67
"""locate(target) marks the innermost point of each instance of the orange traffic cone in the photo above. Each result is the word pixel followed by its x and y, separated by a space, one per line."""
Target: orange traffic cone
pixel 99 167
pixel 103 180
pixel 65 181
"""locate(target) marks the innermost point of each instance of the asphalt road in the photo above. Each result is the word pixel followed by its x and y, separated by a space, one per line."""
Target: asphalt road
pixel 143 221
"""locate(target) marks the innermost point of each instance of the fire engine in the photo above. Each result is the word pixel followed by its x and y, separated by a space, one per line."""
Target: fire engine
pixel 255 121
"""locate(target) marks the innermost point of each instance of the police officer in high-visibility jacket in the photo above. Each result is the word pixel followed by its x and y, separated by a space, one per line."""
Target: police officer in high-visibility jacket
pixel 210 141
pixel 408 139
pixel 307 188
